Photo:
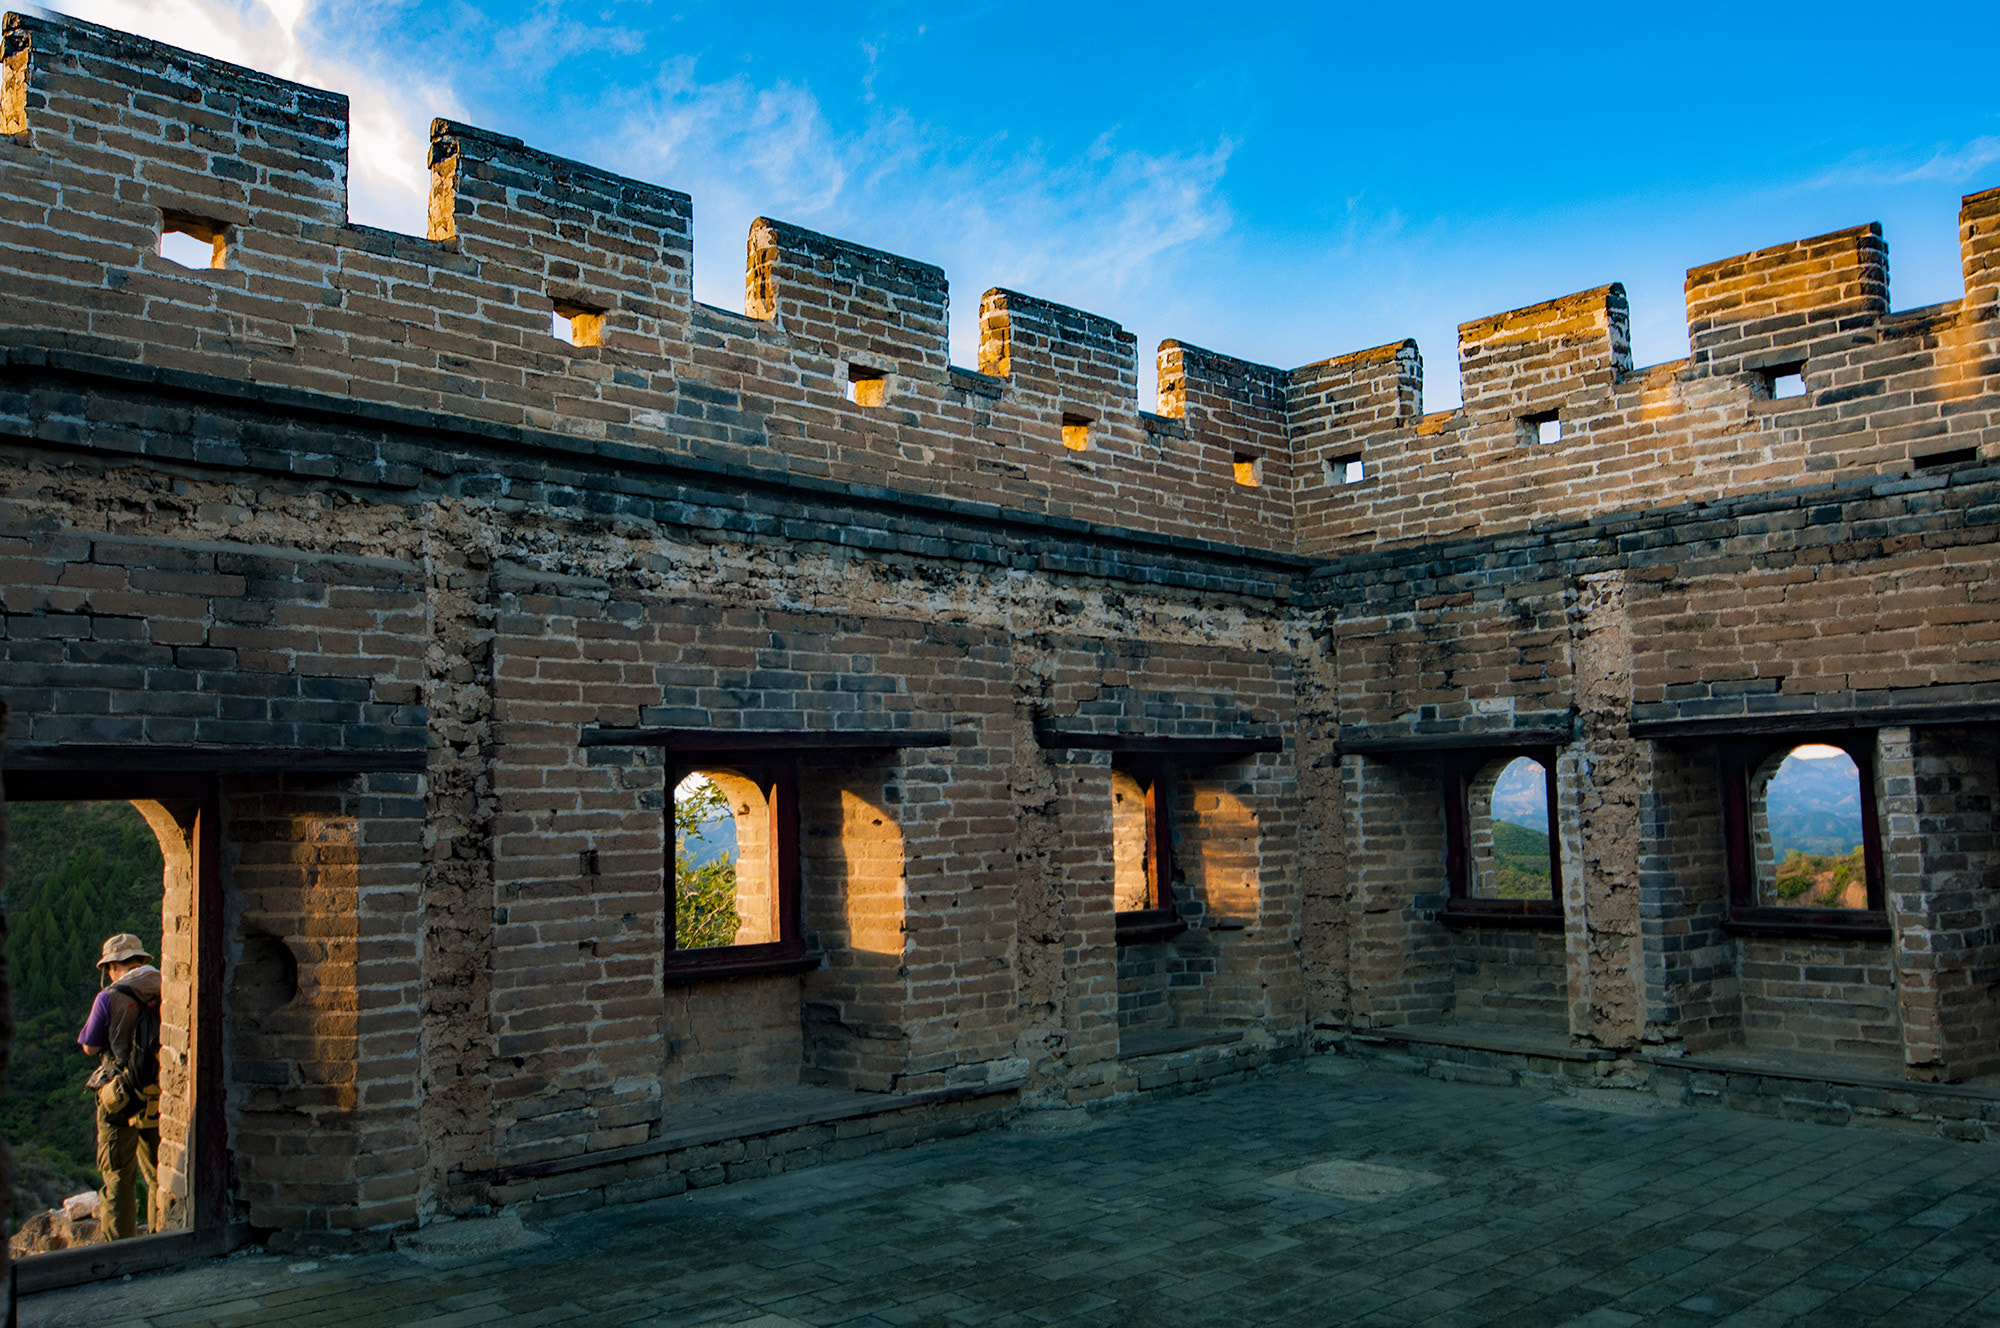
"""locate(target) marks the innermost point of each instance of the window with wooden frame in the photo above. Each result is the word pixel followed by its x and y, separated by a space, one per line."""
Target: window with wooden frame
pixel 1142 847
pixel 1803 845
pixel 1503 859
pixel 732 895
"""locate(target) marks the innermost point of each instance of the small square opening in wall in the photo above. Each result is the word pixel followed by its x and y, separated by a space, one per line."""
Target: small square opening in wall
pixel 195 242
pixel 1076 432
pixel 1249 469
pixel 577 325
pixel 1346 469
pixel 1781 381
pixel 867 387
pixel 1541 430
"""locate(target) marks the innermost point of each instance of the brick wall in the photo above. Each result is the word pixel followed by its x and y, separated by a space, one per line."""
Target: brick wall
pixel 322 1008
pixel 1510 979
pixel 1691 993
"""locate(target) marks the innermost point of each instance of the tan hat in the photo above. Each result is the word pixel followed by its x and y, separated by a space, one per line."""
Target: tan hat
pixel 122 947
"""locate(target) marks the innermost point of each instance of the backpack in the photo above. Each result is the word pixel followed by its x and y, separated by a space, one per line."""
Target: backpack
pixel 143 1070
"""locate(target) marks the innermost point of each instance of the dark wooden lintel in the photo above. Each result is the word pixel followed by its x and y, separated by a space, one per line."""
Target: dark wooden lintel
pixel 1359 743
pixel 765 740
pixel 1817 721
pixel 147 757
pixel 1157 744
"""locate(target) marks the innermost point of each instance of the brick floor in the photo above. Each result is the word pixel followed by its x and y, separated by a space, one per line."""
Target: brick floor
pixel 1165 1212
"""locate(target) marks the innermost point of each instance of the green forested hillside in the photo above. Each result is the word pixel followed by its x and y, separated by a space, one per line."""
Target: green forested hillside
pixel 77 872
pixel 1520 861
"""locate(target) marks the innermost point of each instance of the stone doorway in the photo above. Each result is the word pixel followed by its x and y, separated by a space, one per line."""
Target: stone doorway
pixel 90 854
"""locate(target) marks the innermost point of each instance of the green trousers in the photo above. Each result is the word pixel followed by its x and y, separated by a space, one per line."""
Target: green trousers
pixel 126 1154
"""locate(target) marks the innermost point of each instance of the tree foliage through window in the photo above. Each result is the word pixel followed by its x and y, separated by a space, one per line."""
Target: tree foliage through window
pixel 704 867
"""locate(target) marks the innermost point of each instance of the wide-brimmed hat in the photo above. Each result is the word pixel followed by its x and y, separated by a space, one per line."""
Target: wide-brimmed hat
pixel 122 947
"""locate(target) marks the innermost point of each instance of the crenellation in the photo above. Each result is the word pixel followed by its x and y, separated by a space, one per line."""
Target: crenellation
pixel 462 322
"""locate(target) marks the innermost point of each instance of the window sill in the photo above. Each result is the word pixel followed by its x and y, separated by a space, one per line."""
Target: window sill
pixel 1525 914
pixel 1829 924
pixel 1151 924
pixel 781 959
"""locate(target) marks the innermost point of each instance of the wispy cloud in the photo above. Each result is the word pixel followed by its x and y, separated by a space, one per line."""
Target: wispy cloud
pixel 1085 228
pixel 1938 164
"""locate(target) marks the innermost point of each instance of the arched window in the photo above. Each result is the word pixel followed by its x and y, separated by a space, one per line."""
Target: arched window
pixel 78 872
pixel 1142 847
pixel 1803 844
pixel 1501 854
pixel 1806 818
pixel 733 888
pixel 1131 851
pixel 1512 853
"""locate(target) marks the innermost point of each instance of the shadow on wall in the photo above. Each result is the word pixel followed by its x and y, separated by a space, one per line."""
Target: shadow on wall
pixel 855 900
pixel 293 1000
pixel 1222 829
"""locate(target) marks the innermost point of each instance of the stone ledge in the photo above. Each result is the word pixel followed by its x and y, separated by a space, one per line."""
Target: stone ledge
pixel 1505 1041
pixel 1823 1074
pixel 757 1122
pixel 1168 1041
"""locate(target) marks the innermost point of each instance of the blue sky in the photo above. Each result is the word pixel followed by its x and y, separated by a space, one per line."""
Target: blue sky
pixel 1281 183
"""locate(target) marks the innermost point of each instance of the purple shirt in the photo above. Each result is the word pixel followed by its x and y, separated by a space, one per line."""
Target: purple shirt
pixel 97 1029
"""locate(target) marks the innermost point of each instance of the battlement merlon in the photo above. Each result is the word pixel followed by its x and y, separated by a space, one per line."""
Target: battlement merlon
pixel 1781 305
pixel 1979 248
pixel 1547 357
pixel 863 308
pixel 561 233
pixel 1334 404
pixel 1086 364
pixel 1225 401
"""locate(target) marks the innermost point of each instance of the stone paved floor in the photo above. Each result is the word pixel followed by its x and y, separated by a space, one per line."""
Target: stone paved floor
pixel 1166 1212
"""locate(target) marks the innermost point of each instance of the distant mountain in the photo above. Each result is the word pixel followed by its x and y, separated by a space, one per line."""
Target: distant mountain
pixel 714 842
pixel 1521 795
pixel 1814 806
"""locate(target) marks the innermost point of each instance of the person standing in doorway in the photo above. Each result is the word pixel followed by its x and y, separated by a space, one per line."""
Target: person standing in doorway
pixel 124 1029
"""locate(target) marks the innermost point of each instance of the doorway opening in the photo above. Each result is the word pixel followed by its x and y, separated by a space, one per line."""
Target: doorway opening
pixel 112 902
